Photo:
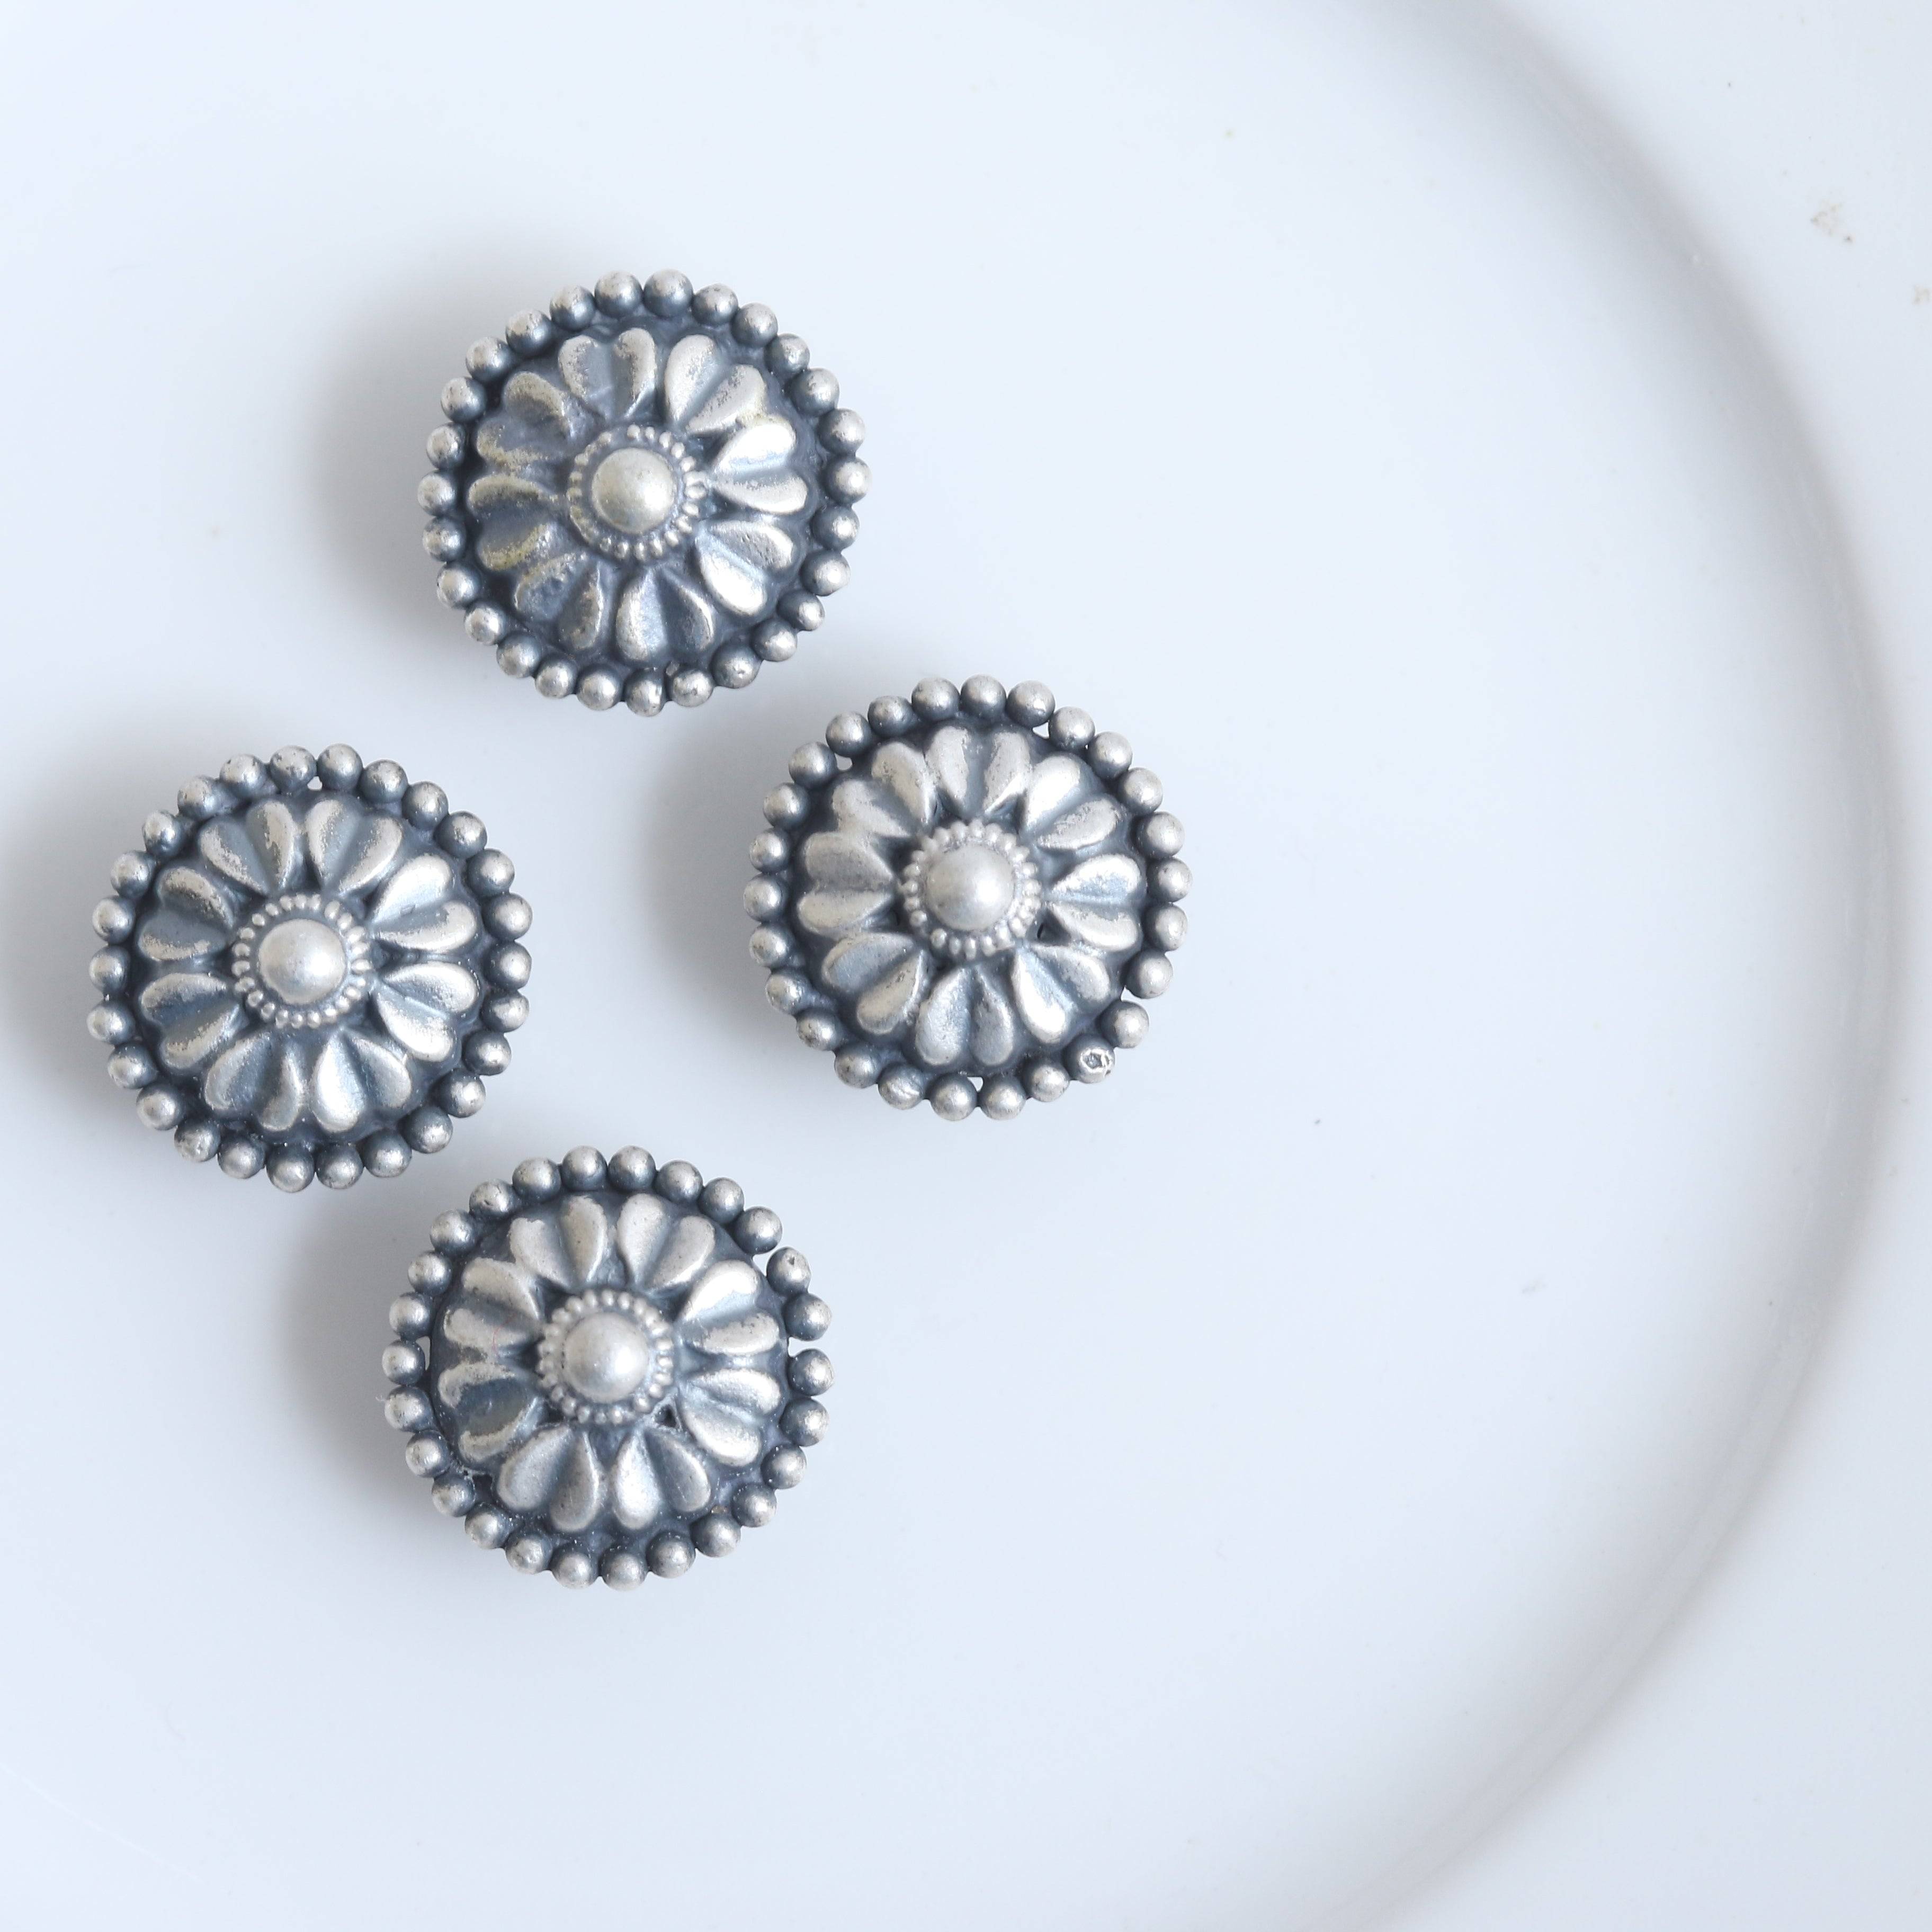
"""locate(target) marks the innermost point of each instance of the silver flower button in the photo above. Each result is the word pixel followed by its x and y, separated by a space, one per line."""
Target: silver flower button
pixel 310 966
pixel 645 493
pixel 956 893
pixel 592 1366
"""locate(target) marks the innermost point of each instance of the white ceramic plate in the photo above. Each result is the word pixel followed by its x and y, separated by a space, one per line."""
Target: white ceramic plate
pixel 1243 1476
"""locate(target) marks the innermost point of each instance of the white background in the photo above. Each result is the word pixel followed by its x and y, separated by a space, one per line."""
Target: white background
pixel 1478 459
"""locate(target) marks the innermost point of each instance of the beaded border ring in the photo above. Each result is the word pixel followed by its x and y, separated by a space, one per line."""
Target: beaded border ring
pixel 594 1366
pixel 956 891
pixel 646 493
pixel 310 966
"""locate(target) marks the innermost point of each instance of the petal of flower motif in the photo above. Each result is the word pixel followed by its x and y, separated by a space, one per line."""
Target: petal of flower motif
pixel 860 805
pixel 176 996
pixel 1109 879
pixel 1056 782
pixel 284 1096
pixel 195 896
pixel 995 1037
pixel 580 624
pixel 231 1084
pixel 463 1382
pixel 171 938
pixel 738 558
pixel 739 398
pixel 495 491
pixel 1008 769
pixel 832 914
pixel 682 1475
pixel 543 405
pixel 885 1007
pixel 385 1071
pixel 194 1037
pixel 865 959
pixel 845 859
pixel 755 1391
pixel 586 1231
pixel 513 444
pixel 634 360
pixel 1088 823
pixel 945 1025
pixel 734 1334
pixel 518 538
pixel 636 1498
pixel 510 1293
pixel 693 1242
pixel 541 591
pixel 954 756
pixel 1084 976
pixel 420 1031
pixel 1105 931
pixel 721 1432
pixel 578 1497
pixel 1045 1007
pixel 537 1247
pixel 642 1223
pixel 350 849
pixel 660 616
pixel 336 1094
pixel 494 1421
pixel 529 1475
pixel 694 363
pixel 262 853
pixel 584 365
pixel 726 1291
pixel 753 469
pixel 908 777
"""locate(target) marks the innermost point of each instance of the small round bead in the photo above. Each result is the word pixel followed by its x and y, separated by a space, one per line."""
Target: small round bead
pixel 487 1054
pixel 848 734
pixel 722 1200
pixel 804 1422
pixel 788 1271
pixel 431 1273
pixel 632 1170
pixel 111 1023
pixel 464 400
pixel 529 1553
pixel 240 1158
pixel 835 526
pixel 934 698
pixel 1070 729
pixel 734 666
pixel 487 1527
pixel 983 697
pixel 1090 1059
pixel 486 624
pixel 410 1314
pixel 453 1495
pixel 536 1180
pixel 810 1372
pixel 758 1230
pixel 891 717
pixel 769 852
pixel 1139 790
pixel 339 768
pixel 847 480
pixel 489 358
pixel 858 1065
pixel 598 690
pixel 197 1141
pixel 840 430
pixel 427 1129
pixel 510 966
pixel 108 970
pixel 435 494
pixel 452 1233
pixel 1030 703
pixel 1001 1098
pixel 814 391
pixel 1149 975
pixel 383 782
pixel 247 776
pixel 132 1067
pixel 644 694
pixel 1161 836
pixel 787 355
pixel 902 1086
pixel 1166 928
pixel 753 1505
pixel 162 833
pixel 445 446
pixel 461 835
pixel 444 540
pixel 783 1467
pixel 952 1097
pixel 667 293
pixel 492 1201
pixel 574 1569
pixel 1124 1024
pixel 713 304
pixel 690 687
pixel 714 1534
pixel 505 1011
pixel 1110 754
pixel 623 1569
pixel 814 765
pixel 528 332
pixel 764 898
pixel 786 805
pixel 787 991
pixel 490 872
pixel 669 1553
pixel 427 1454
pixel 678 1180
pixel 807 1317
pixel 519 656
pixel 821 1031
pixel 407 1408
pixel 113 919
pixel 1170 879
pixel 290 1170
pixel 458 587
pixel 825 574
pixel 508 916
pixel 1046 1080
pixel 160 1108
pixel 755 324
pixel 291 768
pixel 556 677
pixel 404 1362
pixel 338 1167
pixel 619 294
pixel 774 642
pixel 572 308
pixel 584 1170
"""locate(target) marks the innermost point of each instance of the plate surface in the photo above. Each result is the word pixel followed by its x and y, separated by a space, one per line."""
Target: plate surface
pixel 1320 1416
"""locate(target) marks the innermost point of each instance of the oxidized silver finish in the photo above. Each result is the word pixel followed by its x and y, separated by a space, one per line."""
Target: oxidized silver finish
pixel 592 1366
pixel 645 493
pixel 309 965
pixel 955 893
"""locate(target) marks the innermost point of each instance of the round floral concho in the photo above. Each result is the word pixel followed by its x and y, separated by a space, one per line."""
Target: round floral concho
pixel 309 964
pixel 643 494
pixel 957 892
pixel 593 1368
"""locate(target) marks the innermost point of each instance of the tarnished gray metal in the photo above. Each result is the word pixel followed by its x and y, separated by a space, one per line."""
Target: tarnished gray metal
pixel 643 494
pixel 593 1369
pixel 957 891
pixel 309 964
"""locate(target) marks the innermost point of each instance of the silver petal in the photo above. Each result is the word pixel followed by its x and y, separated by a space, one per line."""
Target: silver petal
pixel 634 360
pixel 436 984
pixel 586 1229
pixel 635 1497
pixel 1057 781
pixel 865 959
pixel 457 1383
pixel 755 1391
pixel 681 1475
pixel 350 849
pixel 887 1006
pixel 195 896
pixel 285 1093
pixel 512 444
pixel 170 938
pixel 278 838
pixel 694 364
pixel 224 845
pixel 1105 931
pixel 906 775
pixel 953 754
pixel 493 490
pixel 530 1474
pixel 946 1020
pixel 1041 1001
pixel 721 1432
pixel 752 1334
pixel 385 1071
pixel 832 914
pixel 860 805
pixel 492 1423
pixel 515 538
pixel 584 365
pixel 736 558
pixel 541 591
pixel 760 446
pixel 845 859
pixel 739 398
pixel 336 1093
pixel 424 881
pixel 231 1084
pixel 728 1290
pixel 693 1242
pixel 448 928
pixel 778 492
pixel 420 1031
pixel 510 1290
pixel 537 1248
pixel 1087 824
pixel 175 996
pixel 995 1037
pixel 578 1497
pixel 580 623
pixel 470 1324
pixel 540 403
pixel 1008 768
pixel 192 1037
pixel 1083 975
pixel 641 1223
pixel 1109 879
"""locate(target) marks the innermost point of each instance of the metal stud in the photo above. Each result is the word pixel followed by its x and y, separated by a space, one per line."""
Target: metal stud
pixel 958 892
pixel 308 966
pixel 594 1365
